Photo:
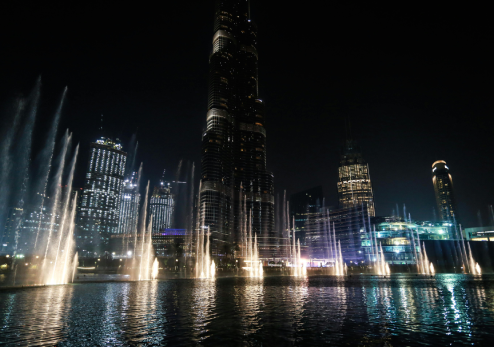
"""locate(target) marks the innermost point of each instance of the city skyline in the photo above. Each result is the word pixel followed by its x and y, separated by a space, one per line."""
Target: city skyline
pixel 137 196
pixel 386 124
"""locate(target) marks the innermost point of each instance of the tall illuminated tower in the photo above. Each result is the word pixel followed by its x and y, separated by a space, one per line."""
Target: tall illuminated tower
pixel 443 188
pixel 234 141
pixel 161 205
pixel 100 202
pixel 354 184
pixel 129 205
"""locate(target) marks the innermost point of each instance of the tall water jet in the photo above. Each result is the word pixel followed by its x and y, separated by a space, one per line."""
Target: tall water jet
pixel 45 158
pixel 154 272
pixel 298 268
pixel 143 256
pixel 205 267
pixel 474 267
pixel 60 261
pixel 57 195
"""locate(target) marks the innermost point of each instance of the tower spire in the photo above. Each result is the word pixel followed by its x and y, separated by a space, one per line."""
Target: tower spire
pixel 101 126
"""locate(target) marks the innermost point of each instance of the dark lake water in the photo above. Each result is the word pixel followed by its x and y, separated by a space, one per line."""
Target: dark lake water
pixel 367 311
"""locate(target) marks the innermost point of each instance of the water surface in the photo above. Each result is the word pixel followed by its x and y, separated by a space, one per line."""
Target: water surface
pixel 366 310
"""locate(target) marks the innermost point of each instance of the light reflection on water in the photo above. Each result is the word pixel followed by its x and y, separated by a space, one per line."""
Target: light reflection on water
pixel 402 310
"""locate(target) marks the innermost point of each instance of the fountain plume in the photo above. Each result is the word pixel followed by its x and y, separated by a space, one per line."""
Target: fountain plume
pixel 205 267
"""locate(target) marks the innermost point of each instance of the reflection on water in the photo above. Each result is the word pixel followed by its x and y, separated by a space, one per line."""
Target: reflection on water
pixel 203 298
pixel 37 316
pixel 401 310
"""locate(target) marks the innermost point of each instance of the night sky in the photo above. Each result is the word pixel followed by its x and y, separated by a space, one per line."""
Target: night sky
pixel 415 83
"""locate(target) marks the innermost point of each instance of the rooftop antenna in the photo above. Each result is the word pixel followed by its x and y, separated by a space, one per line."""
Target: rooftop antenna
pixel 248 8
pixel 101 126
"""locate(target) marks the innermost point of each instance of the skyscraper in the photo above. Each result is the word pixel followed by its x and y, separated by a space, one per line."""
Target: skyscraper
pixel 443 188
pixel 354 185
pixel 100 202
pixel 234 142
pixel 301 205
pixel 161 205
pixel 129 205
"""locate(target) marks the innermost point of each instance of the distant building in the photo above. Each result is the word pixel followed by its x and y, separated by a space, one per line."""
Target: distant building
pixel 161 206
pixel 394 235
pixel 301 205
pixel 35 226
pixel 100 202
pixel 169 242
pixel 480 233
pixel 443 188
pixel 354 184
pixel 129 205
pixel 12 223
pixel 348 226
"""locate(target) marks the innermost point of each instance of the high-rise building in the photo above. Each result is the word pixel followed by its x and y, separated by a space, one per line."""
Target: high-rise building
pixel 443 188
pixel 161 205
pixel 301 205
pixel 100 202
pixel 12 225
pixel 129 205
pixel 348 224
pixel 234 142
pixel 354 185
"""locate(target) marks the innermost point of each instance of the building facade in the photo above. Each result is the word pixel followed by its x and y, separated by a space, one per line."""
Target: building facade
pixel 479 233
pixel 234 141
pixel 100 201
pixel 354 184
pixel 395 237
pixel 302 204
pixel 129 205
pixel 12 226
pixel 443 189
pixel 347 225
pixel 161 207
pixel 169 242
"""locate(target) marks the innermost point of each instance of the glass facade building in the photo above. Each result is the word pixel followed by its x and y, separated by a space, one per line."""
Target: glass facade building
pixel 129 205
pixel 480 233
pixel 100 202
pixel 443 189
pixel 354 184
pixel 349 225
pixel 395 235
pixel 161 205
pixel 12 225
pixel 234 141
pixel 302 204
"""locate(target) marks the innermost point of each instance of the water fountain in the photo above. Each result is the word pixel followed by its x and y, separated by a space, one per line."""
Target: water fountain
pixel 25 184
pixel 474 266
pixel 381 267
pixel 249 246
pixel 154 271
pixel 143 260
pixel 205 266
pixel 59 258
pixel 298 268
pixel 254 268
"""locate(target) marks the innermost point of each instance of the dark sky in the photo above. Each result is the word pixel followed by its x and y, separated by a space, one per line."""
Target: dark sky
pixel 415 83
